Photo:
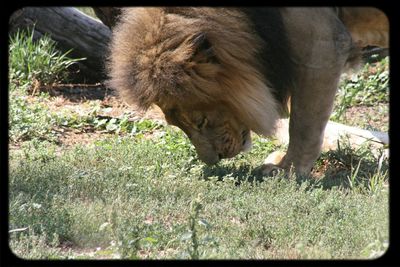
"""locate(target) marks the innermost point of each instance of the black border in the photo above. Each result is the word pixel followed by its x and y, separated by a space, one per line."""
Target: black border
pixel 390 258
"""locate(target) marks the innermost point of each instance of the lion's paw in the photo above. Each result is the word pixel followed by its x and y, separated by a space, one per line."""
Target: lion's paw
pixel 267 170
pixel 275 158
pixel 271 166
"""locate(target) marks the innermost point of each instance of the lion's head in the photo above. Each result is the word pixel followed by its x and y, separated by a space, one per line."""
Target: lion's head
pixel 200 67
pixel 212 129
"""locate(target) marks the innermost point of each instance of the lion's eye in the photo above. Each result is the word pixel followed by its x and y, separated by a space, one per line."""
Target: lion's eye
pixel 202 123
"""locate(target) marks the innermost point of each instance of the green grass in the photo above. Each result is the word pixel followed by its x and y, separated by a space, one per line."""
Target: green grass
pixel 32 63
pixel 138 198
pixel 29 117
pixel 368 87
pixel 28 120
pixel 39 60
pixel 142 193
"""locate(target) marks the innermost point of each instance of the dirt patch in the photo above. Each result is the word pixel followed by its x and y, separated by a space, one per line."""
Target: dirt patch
pixel 78 96
pixel 69 137
pixel 77 92
pixel 80 99
pixel 368 117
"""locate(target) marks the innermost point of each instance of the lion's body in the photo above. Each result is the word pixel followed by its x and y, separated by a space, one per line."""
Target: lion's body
pixel 367 26
pixel 218 73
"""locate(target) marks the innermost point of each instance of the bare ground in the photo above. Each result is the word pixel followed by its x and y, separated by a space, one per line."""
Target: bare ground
pixel 78 98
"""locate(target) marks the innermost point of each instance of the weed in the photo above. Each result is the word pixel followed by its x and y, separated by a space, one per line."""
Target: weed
pixel 31 60
pixel 31 245
pixel 194 251
pixel 368 87
pixel 29 120
pixel 353 176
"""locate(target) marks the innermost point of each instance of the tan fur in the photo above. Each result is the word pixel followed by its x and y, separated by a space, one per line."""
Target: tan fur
pixel 217 95
pixel 367 26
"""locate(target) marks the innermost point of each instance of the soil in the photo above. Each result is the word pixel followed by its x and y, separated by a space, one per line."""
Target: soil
pixel 77 97
pixel 368 117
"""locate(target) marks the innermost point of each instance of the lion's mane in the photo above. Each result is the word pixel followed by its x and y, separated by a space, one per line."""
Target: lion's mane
pixel 153 61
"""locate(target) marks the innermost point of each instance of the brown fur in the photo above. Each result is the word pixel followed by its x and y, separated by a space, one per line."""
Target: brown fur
pixel 218 73
pixel 367 26
pixel 154 60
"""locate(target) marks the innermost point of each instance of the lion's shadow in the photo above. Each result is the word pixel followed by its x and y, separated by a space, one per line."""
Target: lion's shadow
pixel 332 177
pixel 238 174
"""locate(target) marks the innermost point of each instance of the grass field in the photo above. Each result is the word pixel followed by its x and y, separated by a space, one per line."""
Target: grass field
pixel 134 189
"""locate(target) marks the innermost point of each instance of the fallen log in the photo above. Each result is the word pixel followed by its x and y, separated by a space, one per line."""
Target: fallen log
pixel 71 29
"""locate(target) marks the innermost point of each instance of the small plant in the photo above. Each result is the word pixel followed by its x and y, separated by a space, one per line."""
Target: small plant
pixel 31 245
pixel 193 235
pixel 39 60
pixel 368 87
pixel 377 180
pixel 88 11
pixel 28 120
pixel 194 251
pixel 33 62
pixel 352 179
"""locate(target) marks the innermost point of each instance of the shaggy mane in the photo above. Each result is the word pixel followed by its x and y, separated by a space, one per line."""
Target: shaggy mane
pixel 192 56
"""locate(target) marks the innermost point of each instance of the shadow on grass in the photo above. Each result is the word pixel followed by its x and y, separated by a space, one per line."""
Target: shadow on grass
pixel 343 168
pixel 79 92
pixel 239 174
pixel 347 168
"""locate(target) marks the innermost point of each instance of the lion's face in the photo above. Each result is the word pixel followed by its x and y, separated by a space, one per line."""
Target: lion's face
pixel 214 131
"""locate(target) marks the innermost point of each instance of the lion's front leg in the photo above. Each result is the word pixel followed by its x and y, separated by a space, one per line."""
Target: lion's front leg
pixel 319 54
pixel 311 106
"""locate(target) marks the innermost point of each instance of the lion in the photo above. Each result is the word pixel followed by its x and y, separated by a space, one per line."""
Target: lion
pixel 220 73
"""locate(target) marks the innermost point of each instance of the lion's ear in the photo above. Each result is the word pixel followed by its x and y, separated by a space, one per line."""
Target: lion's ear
pixel 202 47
